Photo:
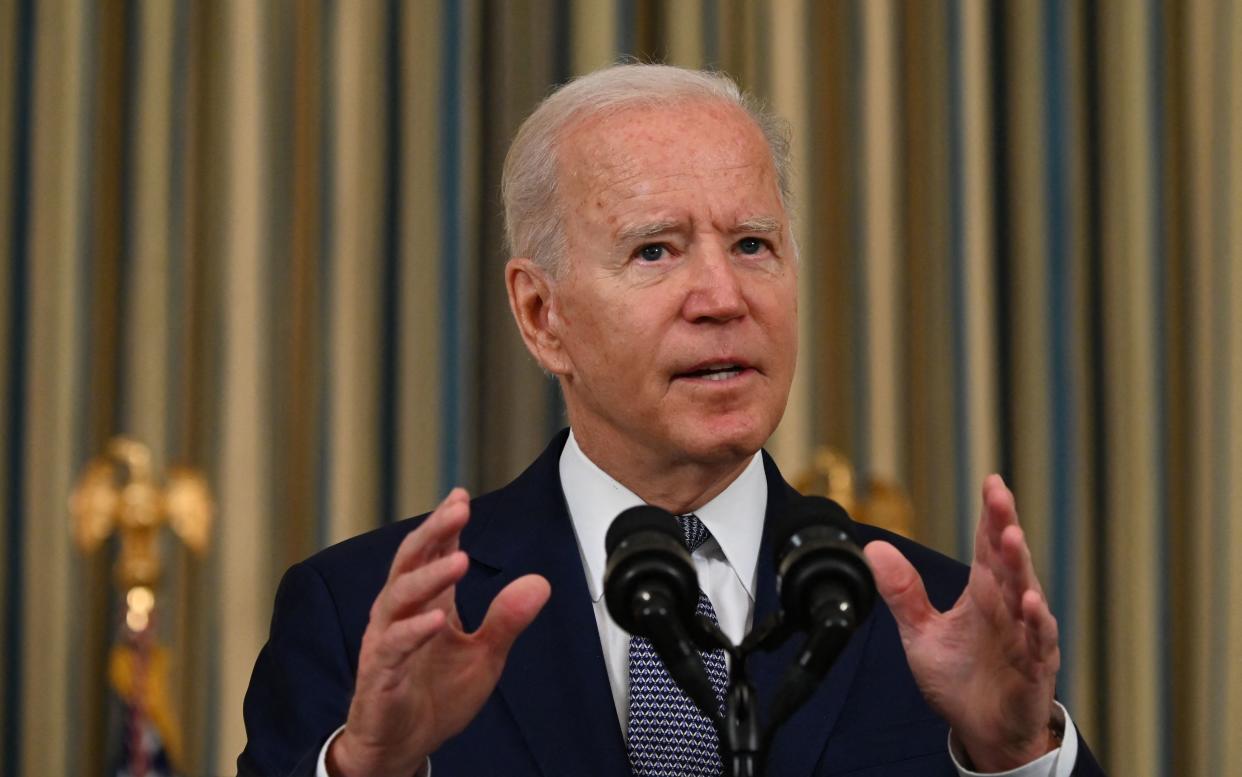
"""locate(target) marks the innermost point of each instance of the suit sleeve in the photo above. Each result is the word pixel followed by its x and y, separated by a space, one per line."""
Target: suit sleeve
pixel 302 681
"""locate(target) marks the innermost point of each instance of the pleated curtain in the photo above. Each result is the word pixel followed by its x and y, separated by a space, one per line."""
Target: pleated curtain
pixel 263 238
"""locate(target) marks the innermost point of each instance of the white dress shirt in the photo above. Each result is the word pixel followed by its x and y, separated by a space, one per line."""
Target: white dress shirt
pixel 725 565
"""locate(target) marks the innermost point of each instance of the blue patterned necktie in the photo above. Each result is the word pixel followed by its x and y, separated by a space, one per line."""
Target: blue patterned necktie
pixel 668 736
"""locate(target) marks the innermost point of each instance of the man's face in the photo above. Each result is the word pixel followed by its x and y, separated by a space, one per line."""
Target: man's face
pixel 677 310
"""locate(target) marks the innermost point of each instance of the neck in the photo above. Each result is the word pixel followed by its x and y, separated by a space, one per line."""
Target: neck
pixel 672 483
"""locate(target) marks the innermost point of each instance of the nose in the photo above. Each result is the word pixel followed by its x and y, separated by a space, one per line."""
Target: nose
pixel 715 289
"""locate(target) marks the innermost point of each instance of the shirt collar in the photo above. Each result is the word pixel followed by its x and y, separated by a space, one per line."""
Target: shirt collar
pixel 734 517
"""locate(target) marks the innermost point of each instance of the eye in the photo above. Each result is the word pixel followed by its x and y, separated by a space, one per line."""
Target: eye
pixel 652 253
pixel 751 245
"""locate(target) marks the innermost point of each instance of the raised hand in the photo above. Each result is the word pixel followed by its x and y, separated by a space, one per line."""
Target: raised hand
pixel 989 664
pixel 420 677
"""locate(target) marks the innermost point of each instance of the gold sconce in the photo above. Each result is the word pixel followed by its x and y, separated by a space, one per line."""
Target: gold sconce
pixel 880 503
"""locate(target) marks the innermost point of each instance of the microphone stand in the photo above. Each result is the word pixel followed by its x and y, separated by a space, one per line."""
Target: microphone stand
pixel 742 746
pixel 744 741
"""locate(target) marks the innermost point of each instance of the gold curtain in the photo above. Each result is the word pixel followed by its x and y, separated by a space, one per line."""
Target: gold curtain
pixel 263 238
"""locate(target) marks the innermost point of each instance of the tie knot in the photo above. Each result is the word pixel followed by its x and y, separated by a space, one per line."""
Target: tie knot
pixel 693 530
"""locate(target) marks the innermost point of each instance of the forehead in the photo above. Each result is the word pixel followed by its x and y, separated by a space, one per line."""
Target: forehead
pixel 642 153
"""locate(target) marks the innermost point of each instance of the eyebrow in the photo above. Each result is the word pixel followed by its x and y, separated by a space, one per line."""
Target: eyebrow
pixel 645 230
pixel 761 224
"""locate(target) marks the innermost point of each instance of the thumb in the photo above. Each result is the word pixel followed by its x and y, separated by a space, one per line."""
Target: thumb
pixel 512 611
pixel 900 585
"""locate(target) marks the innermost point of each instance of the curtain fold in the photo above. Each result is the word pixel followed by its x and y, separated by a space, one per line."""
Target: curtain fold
pixel 265 240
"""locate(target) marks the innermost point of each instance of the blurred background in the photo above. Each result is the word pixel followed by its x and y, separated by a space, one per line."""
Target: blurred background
pixel 262 237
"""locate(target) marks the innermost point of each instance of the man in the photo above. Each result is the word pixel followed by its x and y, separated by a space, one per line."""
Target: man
pixel 655 276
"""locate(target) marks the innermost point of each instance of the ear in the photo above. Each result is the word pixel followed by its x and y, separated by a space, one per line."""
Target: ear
pixel 533 302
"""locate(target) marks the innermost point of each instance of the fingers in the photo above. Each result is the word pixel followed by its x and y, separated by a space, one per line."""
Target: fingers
pixel 997 512
pixel 403 637
pixel 410 585
pixel 1024 597
pixel 900 585
pixel 512 611
pixel 435 537
pixel 1042 633
pixel 412 591
pixel 1000 545
pixel 1015 572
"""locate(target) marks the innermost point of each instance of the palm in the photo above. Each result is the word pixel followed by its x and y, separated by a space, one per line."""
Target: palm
pixel 423 697
pixel 451 680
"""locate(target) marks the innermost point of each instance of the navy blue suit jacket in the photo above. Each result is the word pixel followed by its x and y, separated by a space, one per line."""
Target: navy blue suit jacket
pixel 552 713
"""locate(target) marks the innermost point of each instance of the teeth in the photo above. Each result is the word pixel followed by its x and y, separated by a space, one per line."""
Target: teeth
pixel 721 373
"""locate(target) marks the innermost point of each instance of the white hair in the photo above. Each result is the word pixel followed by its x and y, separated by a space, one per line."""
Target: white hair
pixel 528 185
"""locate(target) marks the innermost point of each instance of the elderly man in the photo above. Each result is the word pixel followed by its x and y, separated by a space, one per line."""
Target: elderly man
pixel 655 276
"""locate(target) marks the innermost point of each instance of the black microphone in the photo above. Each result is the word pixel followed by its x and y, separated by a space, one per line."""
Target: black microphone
pixel 822 575
pixel 826 589
pixel 652 591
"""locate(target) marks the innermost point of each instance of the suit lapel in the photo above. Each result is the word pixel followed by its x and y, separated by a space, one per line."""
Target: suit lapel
pixel 555 682
pixel 800 742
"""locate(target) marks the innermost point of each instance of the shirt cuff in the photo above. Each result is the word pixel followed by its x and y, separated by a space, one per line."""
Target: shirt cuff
pixel 321 769
pixel 1057 763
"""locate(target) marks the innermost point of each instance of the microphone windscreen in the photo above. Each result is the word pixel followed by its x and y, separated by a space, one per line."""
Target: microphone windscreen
pixel 639 519
pixel 807 511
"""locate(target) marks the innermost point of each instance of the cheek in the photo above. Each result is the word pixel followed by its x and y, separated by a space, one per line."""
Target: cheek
pixel 779 310
pixel 777 321
pixel 603 340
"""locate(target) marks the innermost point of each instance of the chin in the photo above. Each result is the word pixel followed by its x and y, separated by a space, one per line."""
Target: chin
pixel 720 440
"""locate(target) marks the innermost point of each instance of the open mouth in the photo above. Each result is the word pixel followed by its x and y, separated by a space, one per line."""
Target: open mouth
pixel 716 373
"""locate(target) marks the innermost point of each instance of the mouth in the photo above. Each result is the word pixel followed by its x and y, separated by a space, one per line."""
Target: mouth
pixel 716 372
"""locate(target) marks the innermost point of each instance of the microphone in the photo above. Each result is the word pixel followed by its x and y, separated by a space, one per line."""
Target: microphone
pixel 652 591
pixel 826 589
pixel 822 576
